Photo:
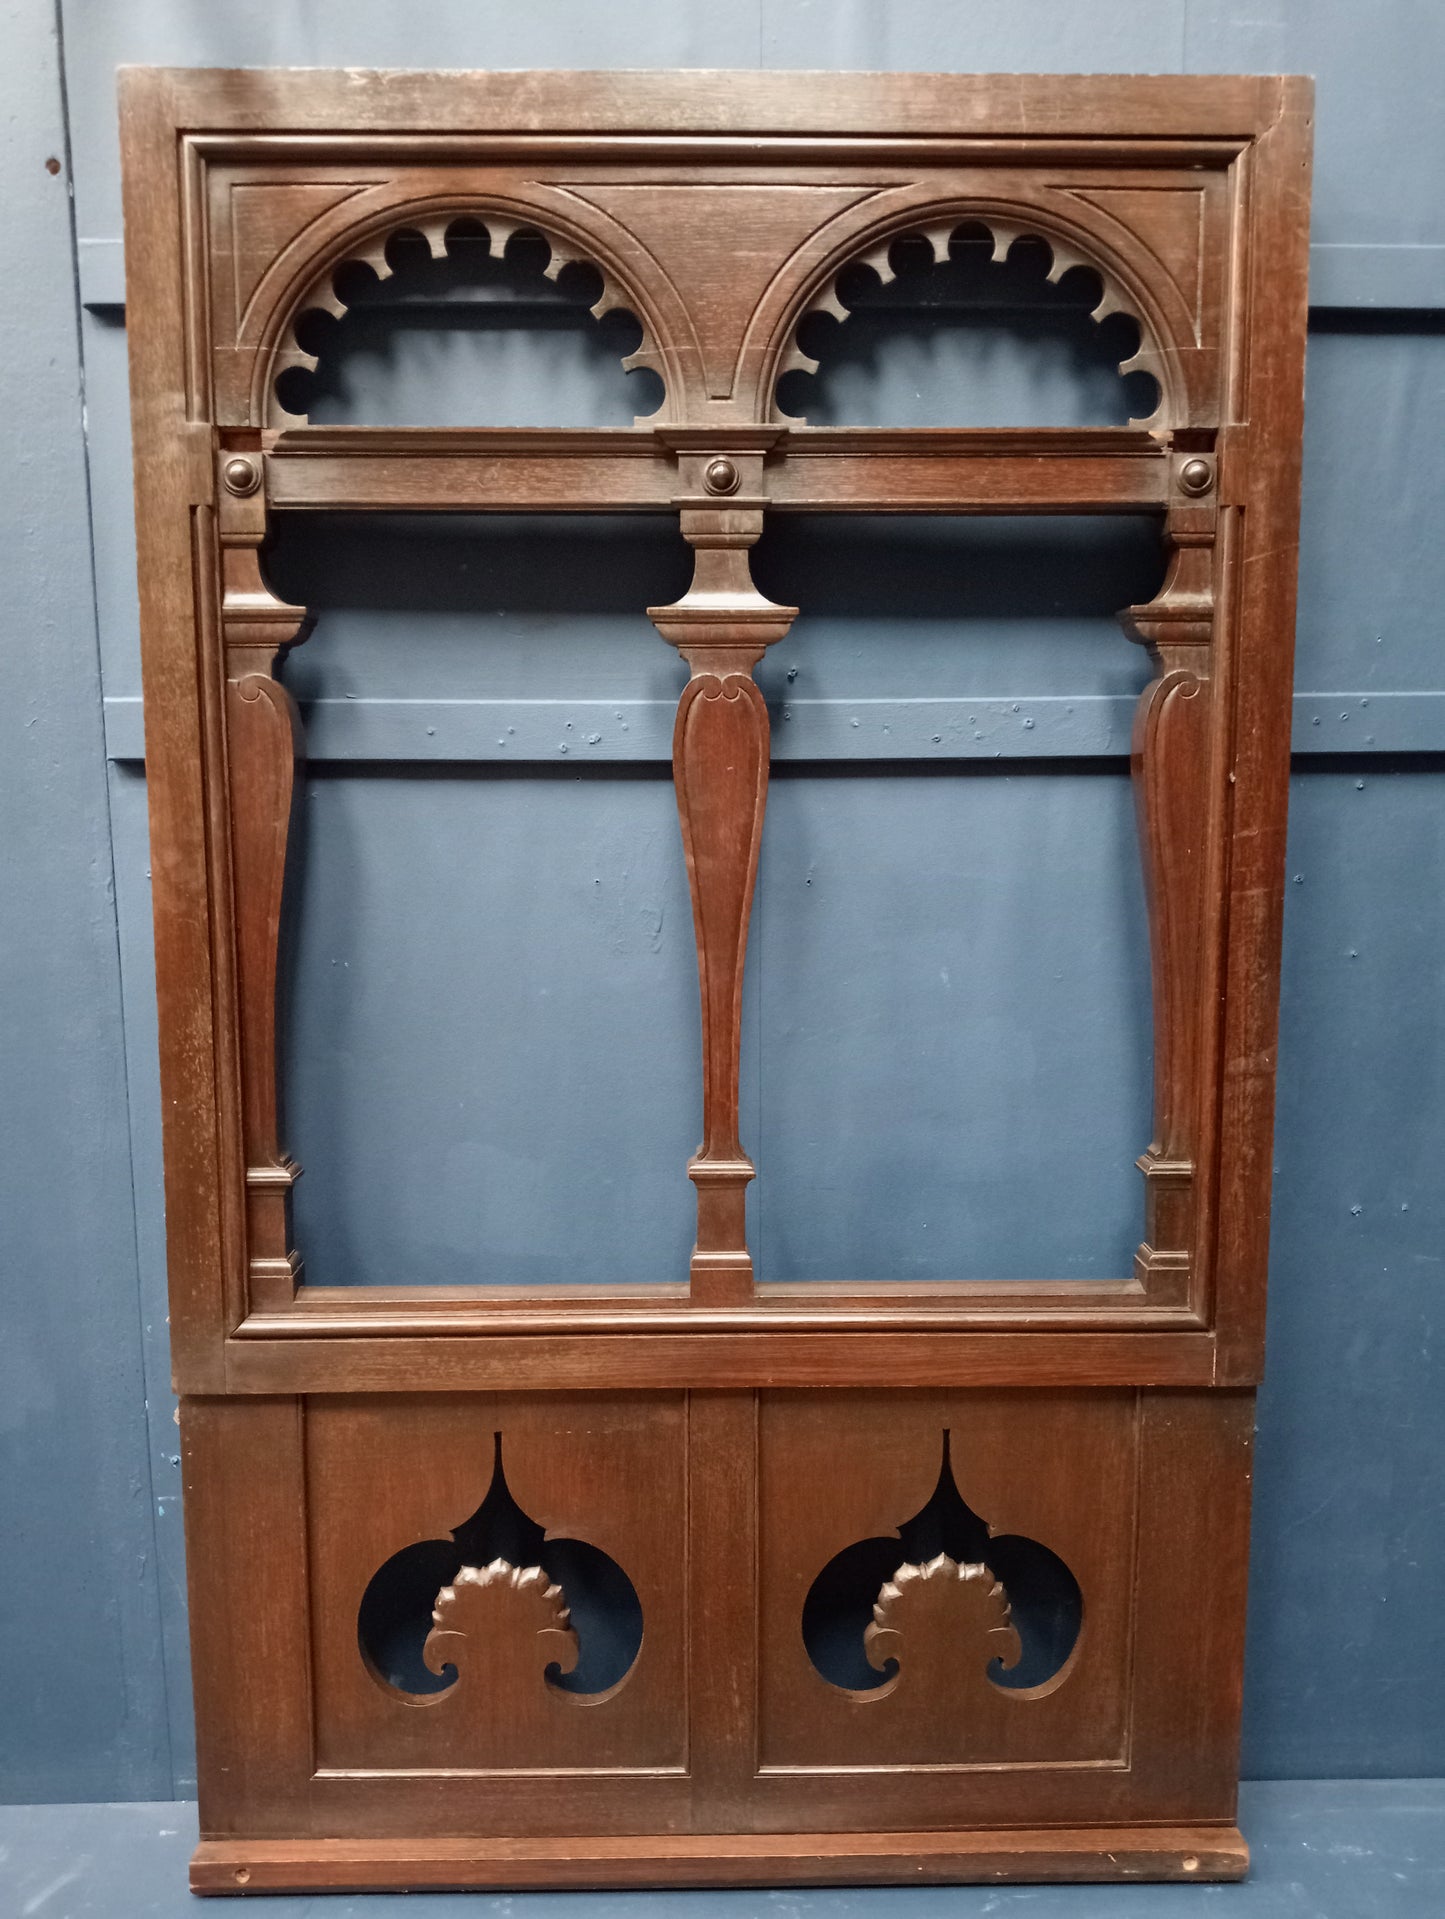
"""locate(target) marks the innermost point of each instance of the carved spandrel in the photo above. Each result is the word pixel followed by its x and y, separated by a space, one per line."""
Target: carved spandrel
pixel 1170 761
pixel 264 743
pixel 724 286
pixel 722 626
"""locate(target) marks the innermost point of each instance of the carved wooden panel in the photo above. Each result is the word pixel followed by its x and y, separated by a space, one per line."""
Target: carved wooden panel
pixel 811 1582
pixel 488 1594
pixel 879 1624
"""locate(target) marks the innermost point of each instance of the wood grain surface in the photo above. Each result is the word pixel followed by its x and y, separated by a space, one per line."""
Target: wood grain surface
pixel 414 1512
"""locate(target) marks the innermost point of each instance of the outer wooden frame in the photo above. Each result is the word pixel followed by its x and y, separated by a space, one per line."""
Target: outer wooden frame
pixel 212 325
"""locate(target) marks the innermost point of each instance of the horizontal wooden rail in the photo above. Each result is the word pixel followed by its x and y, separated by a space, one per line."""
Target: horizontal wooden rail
pixel 1398 276
pixel 722 1361
pixel 622 469
pixel 566 733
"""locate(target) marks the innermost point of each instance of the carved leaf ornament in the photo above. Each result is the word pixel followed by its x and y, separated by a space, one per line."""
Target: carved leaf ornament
pixel 943 1608
pixel 482 1614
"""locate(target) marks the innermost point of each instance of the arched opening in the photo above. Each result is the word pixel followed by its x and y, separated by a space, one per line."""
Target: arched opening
pixel 491 1061
pixel 470 327
pixel 951 940
pixel 992 334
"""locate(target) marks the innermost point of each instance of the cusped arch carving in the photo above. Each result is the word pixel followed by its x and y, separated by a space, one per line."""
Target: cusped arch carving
pixel 1167 328
pixel 312 289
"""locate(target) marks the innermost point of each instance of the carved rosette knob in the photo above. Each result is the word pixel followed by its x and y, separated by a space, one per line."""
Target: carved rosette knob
pixel 1196 477
pixel 721 476
pixel 241 475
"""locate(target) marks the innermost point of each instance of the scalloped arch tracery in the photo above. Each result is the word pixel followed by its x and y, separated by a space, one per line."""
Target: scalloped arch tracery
pixel 1160 338
pixel 281 351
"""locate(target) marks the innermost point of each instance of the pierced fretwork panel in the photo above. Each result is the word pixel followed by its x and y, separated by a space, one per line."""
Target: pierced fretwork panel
pixel 951 1599
pixel 489 1592
pixel 993 1626
pixel 1055 349
pixel 496 1605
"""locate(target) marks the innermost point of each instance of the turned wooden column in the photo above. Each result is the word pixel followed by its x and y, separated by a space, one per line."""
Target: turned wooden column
pixel 721 626
pixel 264 743
pixel 1170 760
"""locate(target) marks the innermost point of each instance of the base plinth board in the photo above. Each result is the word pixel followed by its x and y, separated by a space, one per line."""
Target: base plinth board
pixel 1102 1854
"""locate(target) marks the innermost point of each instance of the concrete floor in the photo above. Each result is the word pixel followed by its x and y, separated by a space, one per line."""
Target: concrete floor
pixel 1371 1849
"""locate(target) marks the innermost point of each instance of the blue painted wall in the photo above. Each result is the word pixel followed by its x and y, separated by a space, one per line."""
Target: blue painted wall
pixel 85 1698
pixel 999 927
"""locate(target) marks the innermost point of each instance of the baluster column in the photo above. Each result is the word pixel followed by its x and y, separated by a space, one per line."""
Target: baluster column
pixel 1170 759
pixel 264 743
pixel 722 626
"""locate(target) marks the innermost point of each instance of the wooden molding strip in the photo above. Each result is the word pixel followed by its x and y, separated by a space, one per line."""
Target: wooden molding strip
pixel 708 1859
pixel 1398 277
pixel 723 1361
pixel 1083 726
pixel 622 469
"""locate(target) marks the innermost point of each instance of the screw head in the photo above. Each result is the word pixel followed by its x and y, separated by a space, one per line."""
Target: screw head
pixel 721 476
pixel 241 475
pixel 1196 476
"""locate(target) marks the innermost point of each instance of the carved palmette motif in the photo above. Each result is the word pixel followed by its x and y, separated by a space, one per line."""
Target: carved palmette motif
pixel 501 1627
pixel 923 1606
pixel 935 1608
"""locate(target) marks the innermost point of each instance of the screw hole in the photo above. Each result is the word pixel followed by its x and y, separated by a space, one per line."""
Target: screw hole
pixel 1191 1864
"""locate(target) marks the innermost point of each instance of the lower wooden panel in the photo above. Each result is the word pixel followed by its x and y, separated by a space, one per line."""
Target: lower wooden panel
pixel 728 1637
pixel 1102 1854
pixel 982 1469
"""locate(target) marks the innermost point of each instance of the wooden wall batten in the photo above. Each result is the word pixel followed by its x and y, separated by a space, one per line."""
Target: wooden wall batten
pixel 767 1584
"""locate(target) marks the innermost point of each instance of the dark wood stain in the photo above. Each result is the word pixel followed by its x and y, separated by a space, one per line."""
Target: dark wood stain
pixel 718 1445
